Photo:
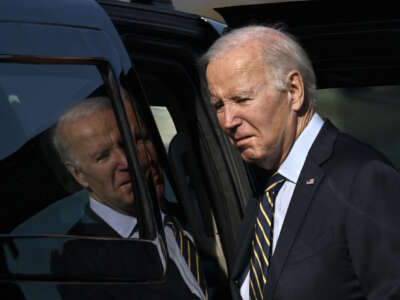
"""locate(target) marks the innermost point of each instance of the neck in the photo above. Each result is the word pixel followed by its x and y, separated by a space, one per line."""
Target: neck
pixel 304 120
pixel 301 123
pixel 125 210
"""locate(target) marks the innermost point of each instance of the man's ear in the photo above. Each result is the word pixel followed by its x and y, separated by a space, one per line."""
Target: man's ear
pixel 77 174
pixel 295 90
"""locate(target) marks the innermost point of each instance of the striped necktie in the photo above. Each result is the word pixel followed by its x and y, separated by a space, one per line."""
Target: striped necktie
pixel 262 239
pixel 188 251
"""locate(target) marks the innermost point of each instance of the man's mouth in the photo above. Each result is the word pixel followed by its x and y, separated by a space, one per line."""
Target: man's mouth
pixel 241 142
pixel 125 183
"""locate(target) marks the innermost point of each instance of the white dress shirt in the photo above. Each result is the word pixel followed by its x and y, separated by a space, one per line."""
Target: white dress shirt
pixel 124 225
pixel 290 169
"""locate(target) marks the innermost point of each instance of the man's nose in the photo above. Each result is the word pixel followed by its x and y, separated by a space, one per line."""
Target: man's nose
pixel 229 118
pixel 121 158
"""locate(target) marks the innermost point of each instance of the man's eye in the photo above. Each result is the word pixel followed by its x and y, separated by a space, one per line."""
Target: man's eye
pixel 218 105
pixel 102 156
pixel 241 100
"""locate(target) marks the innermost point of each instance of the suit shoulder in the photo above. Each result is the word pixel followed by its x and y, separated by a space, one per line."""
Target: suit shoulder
pixel 335 149
pixel 350 157
pixel 356 152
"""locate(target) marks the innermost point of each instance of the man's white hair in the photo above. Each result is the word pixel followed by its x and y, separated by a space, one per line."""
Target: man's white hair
pixel 84 109
pixel 281 53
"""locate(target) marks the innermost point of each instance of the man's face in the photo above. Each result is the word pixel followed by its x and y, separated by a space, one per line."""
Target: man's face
pixel 258 119
pixel 96 143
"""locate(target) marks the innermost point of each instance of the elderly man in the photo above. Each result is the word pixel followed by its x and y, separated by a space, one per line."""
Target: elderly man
pixel 326 224
pixel 90 145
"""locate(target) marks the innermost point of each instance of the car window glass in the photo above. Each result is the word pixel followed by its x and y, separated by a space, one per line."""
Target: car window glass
pixel 368 113
pixel 64 171
pixel 31 98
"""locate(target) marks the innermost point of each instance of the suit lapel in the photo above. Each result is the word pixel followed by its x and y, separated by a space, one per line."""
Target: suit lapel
pixel 299 204
pixel 310 178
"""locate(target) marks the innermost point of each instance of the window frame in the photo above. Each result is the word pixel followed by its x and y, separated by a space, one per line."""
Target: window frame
pixel 149 222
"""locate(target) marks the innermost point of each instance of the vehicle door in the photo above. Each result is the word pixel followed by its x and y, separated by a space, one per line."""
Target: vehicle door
pixel 207 185
pixel 52 61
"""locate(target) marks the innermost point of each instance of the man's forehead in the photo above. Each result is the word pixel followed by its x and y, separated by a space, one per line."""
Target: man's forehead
pixel 236 75
pixel 86 125
pixel 236 60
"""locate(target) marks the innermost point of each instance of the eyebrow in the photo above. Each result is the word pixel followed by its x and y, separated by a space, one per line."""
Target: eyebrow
pixel 100 152
pixel 241 95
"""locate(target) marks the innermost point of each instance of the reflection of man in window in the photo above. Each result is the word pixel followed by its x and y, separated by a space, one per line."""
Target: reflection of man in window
pixel 89 143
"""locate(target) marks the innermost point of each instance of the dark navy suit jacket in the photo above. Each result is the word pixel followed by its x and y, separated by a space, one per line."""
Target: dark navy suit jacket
pixel 340 238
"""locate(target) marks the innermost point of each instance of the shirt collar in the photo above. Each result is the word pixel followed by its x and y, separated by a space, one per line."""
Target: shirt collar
pixel 293 164
pixel 122 224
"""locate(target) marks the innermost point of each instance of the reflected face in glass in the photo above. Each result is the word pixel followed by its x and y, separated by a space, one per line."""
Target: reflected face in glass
pixel 147 154
pixel 96 143
pixel 149 160
pixel 156 170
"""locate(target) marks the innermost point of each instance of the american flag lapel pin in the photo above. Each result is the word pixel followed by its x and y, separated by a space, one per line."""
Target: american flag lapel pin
pixel 310 181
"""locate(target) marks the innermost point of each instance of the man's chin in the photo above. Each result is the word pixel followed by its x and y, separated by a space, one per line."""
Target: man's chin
pixel 253 158
pixel 127 199
pixel 249 156
pixel 128 207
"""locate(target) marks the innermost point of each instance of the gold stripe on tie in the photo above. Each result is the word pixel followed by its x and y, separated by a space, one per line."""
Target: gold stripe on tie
pixel 257 281
pixel 263 232
pixel 267 191
pixel 274 184
pixel 259 263
pixel 173 227
pixel 197 268
pixel 262 250
pixel 186 248
pixel 188 253
pixel 252 287
pixel 269 199
pixel 265 215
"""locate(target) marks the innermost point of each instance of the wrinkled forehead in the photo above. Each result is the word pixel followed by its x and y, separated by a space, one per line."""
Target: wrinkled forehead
pixel 238 59
pixel 241 68
pixel 77 129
